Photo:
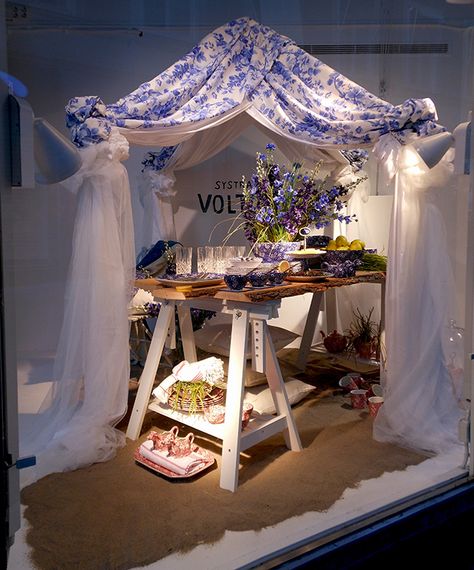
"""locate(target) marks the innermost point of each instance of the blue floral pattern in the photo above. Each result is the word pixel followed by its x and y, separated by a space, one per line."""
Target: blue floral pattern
pixel 158 160
pixel 245 62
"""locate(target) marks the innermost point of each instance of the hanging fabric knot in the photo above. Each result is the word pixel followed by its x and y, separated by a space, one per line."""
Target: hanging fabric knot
pixel 387 152
pixel 86 118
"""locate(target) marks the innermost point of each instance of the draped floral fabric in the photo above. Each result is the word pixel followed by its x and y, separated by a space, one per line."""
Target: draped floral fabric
pixel 244 66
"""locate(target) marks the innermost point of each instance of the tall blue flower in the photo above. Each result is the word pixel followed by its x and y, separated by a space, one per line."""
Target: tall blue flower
pixel 278 201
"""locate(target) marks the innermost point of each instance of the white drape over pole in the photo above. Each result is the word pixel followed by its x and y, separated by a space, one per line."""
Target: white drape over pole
pixel 420 409
pixel 90 387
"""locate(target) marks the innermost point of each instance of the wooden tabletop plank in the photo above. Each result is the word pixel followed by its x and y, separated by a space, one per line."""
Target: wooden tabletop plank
pixel 258 294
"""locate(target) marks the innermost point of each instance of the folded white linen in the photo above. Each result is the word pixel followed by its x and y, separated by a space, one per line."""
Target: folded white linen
pixel 188 371
pixel 210 370
pixel 178 465
pixel 162 391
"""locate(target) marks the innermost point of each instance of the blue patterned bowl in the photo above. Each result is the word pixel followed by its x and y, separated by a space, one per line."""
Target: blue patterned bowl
pixel 235 282
pixel 317 241
pixel 258 279
pixel 342 263
pixel 340 255
pixel 274 252
pixel 276 277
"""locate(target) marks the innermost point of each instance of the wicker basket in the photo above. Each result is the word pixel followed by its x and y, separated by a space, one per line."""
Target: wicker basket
pixel 213 396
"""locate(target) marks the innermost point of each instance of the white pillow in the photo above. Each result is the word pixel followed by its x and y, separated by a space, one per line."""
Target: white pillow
pixel 262 400
pixel 216 338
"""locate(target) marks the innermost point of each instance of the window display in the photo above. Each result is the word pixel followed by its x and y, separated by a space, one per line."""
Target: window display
pixel 168 167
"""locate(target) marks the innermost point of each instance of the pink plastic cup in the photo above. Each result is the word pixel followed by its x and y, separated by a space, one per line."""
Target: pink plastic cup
pixel 359 399
pixel 247 410
pixel 347 383
pixel 374 405
pixel 357 378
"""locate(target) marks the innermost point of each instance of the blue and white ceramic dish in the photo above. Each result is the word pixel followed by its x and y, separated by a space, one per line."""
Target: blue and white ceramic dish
pixel 235 282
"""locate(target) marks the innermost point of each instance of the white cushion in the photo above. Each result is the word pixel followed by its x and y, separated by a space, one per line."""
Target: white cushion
pixel 216 338
pixel 262 400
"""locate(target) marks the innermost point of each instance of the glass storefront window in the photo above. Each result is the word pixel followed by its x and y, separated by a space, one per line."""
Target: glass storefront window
pixel 411 49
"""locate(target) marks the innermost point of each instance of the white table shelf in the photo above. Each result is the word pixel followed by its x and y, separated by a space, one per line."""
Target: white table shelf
pixel 266 425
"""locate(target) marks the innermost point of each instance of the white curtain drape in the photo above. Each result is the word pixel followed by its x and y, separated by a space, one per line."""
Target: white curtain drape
pixel 420 409
pixel 90 387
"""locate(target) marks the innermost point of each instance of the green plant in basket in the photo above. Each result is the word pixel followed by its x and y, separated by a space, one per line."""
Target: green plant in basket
pixel 189 395
pixel 192 397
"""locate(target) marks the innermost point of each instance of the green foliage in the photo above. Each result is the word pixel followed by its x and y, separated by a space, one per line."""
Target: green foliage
pixel 189 395
pixel 374 262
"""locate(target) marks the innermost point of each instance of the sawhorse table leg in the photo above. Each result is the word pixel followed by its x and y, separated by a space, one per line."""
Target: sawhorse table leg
pixel 308 333
pixel 278 391
pixel 163 323
pixel 234 398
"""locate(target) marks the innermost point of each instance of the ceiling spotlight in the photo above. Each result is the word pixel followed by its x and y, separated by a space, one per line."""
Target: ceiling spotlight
pixel 56 158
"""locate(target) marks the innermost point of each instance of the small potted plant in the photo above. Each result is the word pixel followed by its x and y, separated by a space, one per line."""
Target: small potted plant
pixel 364 335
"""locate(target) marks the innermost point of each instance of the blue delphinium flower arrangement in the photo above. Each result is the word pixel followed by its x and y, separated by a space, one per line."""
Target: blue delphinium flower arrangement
pixel 277 201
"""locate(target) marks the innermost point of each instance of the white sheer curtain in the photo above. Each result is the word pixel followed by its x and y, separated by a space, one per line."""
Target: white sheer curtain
pixel 90 387
pixel 420 409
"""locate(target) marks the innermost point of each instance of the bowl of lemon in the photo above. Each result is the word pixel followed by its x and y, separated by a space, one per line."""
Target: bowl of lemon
pixel 343 257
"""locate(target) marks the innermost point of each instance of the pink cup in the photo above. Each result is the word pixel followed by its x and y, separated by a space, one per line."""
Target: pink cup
pixel 347 383
pixel 374 405
pixel 215 414
pixel 359 399
pixel 357 378
pixel 246 413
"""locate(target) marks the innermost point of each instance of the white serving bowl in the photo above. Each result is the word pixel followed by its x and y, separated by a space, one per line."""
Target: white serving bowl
pixel 244 263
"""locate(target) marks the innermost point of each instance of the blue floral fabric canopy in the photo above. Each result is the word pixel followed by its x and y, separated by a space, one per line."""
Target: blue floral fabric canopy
pixel 244 66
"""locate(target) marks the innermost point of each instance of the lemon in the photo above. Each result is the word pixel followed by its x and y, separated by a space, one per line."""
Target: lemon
pixel 343 248
pixel 341 241
pixel 283 266
pixel 356 245
pixel 331 245
pixel 184 288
